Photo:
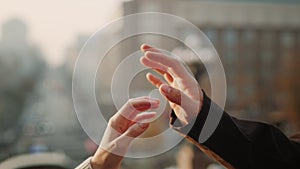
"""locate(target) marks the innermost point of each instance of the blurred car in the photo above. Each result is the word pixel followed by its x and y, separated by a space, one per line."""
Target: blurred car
pixel 45 160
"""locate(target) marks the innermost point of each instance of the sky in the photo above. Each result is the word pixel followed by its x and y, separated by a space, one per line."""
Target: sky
pixel 54 25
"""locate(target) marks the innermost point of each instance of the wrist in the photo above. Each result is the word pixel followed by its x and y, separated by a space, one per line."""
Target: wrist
pixel 85 164
pixel 96 163
pixel 104 159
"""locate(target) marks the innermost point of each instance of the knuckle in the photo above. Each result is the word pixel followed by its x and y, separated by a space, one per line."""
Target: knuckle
pixel 130 101
pixel 111 121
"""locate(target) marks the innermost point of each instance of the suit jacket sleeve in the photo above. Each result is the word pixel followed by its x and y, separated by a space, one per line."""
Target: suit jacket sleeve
pixel 242 144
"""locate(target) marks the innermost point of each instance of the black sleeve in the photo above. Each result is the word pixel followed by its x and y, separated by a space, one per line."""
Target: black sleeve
pixel 246 144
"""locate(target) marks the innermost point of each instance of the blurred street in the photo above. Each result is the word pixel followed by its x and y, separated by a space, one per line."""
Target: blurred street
pixel 258 43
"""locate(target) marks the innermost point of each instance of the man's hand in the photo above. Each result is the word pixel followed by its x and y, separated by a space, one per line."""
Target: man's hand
pixel 127 124
pixel 180 87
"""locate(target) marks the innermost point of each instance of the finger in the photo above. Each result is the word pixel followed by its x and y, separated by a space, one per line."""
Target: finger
pixel 174 67
pixel 168 78
pixel 136 105
pixel 144 117
pixel 166 75
pixel 174 95
pixel 161 58
pixel 136 129
pixel 154 80
pixel 119 145
pixel 171 94
pixel 160 71
pixel 154 65
pixel 158 68
pixel 146 47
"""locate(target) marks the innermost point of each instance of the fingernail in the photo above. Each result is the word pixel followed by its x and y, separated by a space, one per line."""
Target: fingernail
pixel 147 53
pixel 155 100
pixel 142 125
pixel 145 46
pixel 165 89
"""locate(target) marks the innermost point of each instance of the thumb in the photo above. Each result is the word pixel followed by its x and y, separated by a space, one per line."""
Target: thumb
pixel 136 130
pixel 120 145
pixel 190 106
pixel 126 138
pixel 172 94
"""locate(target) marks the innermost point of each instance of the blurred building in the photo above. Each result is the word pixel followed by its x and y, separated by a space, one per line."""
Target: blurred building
pixel 19 58
pixel 35 100
pixel 256 41
pixel 14 34
pixel 21 65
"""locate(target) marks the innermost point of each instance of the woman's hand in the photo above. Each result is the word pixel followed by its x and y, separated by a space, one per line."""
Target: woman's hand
pixel 127 124
pixel 180 87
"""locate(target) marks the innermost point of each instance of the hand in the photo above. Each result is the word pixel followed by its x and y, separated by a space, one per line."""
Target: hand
pixel 180 87
pixel 127 124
